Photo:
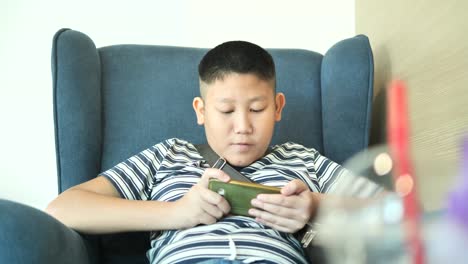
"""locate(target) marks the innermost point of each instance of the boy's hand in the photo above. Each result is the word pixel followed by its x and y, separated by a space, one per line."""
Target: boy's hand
pixel 200 205
pixel 288 211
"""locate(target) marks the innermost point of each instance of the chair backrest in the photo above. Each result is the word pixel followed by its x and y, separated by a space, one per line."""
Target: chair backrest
pixel 114 101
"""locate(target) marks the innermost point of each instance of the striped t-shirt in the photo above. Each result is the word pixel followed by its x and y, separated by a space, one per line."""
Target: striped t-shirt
pixel 166 171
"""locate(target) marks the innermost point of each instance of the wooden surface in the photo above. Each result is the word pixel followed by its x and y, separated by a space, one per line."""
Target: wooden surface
pixel 424 43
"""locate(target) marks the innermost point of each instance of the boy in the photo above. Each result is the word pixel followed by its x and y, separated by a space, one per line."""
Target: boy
pixel 166 186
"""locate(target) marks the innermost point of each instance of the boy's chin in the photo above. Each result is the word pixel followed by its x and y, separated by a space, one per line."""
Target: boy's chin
pixel 241 161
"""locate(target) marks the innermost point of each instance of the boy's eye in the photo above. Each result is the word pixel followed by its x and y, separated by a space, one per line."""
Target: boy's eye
pixel 226 111
pixel 256 110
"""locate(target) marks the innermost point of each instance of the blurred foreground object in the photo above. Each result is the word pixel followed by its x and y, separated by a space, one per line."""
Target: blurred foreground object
pixel 374 227
pixel 447 235
pixel 405 181
pixel 365 227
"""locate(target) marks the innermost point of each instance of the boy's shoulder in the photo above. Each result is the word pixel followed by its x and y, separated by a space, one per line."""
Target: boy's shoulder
pixel 294 147
pixel 175 146
pixel 293 150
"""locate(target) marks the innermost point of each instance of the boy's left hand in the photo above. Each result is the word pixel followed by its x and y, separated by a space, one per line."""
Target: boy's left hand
pixel 289 211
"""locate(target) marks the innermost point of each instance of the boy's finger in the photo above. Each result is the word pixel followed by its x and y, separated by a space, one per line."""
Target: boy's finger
pixel 207 219
pixel 277 222
pixel 278 199
pixel 225 207
pixel 217 200
pixel 212 173
pixel 294 187
pixel 212 210
pixel 274 209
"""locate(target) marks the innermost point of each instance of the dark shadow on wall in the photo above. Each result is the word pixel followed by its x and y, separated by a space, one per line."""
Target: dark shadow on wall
pixel 382 76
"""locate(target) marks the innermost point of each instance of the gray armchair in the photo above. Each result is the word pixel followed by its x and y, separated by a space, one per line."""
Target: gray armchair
pixel 112 102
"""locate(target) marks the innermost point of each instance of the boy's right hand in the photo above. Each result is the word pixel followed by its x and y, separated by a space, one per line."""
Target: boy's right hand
pixel 200 205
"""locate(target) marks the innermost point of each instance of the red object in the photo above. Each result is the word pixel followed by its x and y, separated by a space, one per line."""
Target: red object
pixel 405 182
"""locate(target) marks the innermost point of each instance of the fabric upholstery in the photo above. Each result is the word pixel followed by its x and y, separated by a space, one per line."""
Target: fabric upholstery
pixel 28 235
pixel 347 89
pixel 77 107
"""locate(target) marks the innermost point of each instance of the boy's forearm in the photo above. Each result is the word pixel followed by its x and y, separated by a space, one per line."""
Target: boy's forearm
pixel 94 213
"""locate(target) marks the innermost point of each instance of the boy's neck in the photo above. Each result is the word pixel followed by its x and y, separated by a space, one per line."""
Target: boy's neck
pixel 237 168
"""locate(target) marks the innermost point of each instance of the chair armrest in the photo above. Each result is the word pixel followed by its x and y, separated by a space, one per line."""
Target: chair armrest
pixel 28 235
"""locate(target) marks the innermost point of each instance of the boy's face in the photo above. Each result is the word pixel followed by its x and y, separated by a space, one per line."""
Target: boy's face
pixel 239 114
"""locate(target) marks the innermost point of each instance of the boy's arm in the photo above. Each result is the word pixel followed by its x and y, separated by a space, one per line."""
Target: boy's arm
pixel 96 207
pixel 296 206
pixel 289 211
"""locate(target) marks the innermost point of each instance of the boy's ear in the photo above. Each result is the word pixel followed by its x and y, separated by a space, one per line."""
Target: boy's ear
pixel 199 107
pixel 280 102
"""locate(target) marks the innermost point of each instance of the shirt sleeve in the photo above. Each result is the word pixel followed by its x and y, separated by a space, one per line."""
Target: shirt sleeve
pixel 333 178
pixel 134 178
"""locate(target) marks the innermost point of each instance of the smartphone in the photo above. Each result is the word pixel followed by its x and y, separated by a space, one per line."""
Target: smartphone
pixel 239 194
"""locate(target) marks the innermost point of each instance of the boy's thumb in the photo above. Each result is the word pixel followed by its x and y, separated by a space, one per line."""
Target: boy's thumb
pixel 293 187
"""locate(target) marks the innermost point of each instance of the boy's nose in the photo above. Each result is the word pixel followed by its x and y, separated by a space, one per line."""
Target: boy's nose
pixel 243 125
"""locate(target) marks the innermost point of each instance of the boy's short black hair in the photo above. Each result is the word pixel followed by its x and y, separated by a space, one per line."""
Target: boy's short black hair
pixel 236 57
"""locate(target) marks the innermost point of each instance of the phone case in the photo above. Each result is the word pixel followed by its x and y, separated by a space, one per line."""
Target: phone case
pixel 239 194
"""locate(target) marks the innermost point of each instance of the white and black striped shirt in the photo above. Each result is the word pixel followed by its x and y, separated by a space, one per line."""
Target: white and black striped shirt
pixel 166 171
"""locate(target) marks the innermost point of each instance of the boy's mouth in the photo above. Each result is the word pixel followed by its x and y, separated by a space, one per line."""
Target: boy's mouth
pixel 242 146
pixel 242 143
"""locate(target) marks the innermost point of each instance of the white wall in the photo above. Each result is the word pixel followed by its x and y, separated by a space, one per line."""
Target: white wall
pixel 27 156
